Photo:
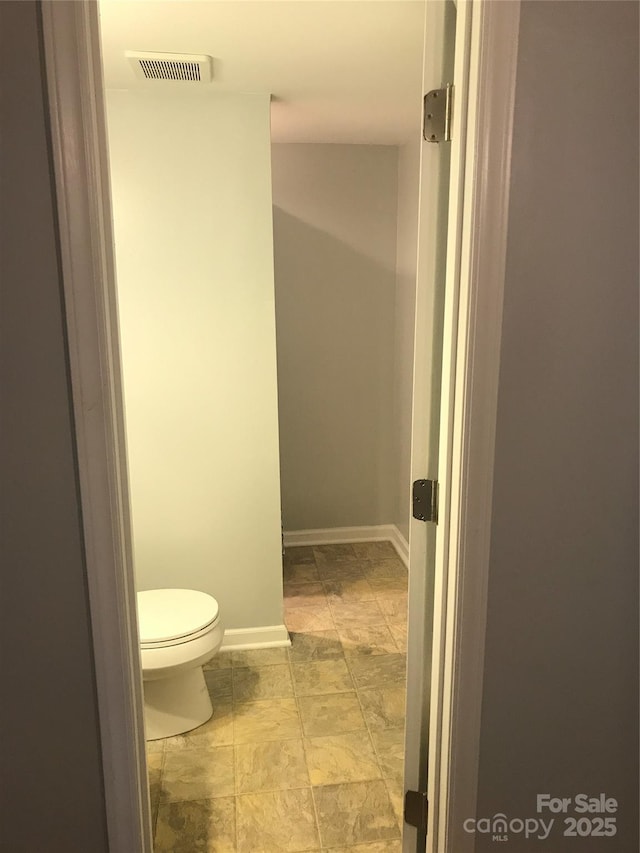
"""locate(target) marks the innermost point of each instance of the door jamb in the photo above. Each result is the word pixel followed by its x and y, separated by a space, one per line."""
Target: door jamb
pixel 468 424
pixel 74 81
pixel 71 34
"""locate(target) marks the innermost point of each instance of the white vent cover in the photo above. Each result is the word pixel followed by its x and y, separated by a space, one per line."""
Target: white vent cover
pixel 186 67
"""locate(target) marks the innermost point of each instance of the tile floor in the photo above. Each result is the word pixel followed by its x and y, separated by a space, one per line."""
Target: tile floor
pixel 304 751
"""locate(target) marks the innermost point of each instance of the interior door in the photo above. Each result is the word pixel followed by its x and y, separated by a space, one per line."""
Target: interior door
pixel 447 28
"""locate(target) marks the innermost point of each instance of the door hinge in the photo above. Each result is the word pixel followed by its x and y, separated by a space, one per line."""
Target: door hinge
pixel 425 500
pixel 416 809
pixel 436 126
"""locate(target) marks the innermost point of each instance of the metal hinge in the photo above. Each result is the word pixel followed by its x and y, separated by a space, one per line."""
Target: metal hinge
pixel 436 126
pixel 425 500
pixel 416 809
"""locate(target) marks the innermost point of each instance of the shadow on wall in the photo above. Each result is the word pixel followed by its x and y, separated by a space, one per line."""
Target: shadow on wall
pixel 335 341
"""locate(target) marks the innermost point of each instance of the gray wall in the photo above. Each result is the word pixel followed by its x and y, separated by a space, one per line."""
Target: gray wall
pixel 560 710
pixel 334 215
pixel 51 774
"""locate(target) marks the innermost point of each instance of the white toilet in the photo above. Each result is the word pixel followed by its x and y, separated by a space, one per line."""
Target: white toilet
pixel 180 630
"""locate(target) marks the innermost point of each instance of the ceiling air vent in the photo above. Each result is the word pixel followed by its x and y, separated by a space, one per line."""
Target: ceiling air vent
pixel 185 67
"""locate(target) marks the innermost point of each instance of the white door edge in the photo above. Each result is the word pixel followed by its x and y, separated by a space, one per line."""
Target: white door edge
pixel 74 83
pixel 445 37
pixel 473 319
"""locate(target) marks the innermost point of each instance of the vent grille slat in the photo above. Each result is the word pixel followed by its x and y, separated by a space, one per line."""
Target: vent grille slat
pixel 186 67
pixel 154 69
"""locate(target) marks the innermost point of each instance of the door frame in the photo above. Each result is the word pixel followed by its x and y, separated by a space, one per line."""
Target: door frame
pixel 474 296
pixel 71 34
pixel 473 314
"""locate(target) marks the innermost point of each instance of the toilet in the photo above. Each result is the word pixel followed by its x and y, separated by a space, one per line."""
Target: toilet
pixel 180 630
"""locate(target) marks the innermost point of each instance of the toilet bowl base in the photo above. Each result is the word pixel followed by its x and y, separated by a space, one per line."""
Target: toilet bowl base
pixel 175 705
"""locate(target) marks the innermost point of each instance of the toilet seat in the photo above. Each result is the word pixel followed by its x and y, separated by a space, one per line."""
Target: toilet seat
pixel 170 617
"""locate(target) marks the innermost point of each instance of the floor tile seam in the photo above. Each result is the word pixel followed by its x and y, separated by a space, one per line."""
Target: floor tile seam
pixel 364 717
pixel 348 781
pixel 355 599
pixel 379 778
pixel 207 800
pixel 155 751
pixel 173 801
pixel 306 763
pixel 292 609
pixel 350 598
pixel 317 660
pixel 404 622
pixel 154 817
pixel 305 606
pixel 272 740
pixel 369 623
pixel 199 800
pixel 328 693
pixel 313 800
pixel 299 606
pixel 315 811
pixel 343 580
pixel 391 626
pixel 259 701
pixel 384 577
pixel 339 734
pixel 388 624
pixel 381 595
pixel 375 749
pixel 400 819
pixel 396 650
pixel 260 666
pixel 239 702
pixel 163 753
pixel 287 583
pixel 333 784
pixel 241 794
pixel 304 752
pixel 266 740
pixel 198 747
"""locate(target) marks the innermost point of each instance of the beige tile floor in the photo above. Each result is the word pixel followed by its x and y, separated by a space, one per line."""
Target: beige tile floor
pixel 305 748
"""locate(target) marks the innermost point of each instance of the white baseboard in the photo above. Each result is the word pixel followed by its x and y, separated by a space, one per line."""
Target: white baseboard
pixel 401 545
pixel 349 535
pixel 268 637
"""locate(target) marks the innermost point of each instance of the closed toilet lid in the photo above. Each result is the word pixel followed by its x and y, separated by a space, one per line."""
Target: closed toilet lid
pixel 171 614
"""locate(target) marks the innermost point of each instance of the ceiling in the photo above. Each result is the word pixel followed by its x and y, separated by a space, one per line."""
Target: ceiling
pixel 342 71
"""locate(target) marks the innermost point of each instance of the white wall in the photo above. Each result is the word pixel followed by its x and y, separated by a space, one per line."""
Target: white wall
pixel 404 330
pixel 335 210
pixel 194 253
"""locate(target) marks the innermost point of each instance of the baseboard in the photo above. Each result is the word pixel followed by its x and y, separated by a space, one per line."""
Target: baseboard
pixel 349 535
pixel 401 545
pixel 268 637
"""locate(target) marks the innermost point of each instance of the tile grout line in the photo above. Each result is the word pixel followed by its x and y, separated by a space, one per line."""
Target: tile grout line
pixel 344 657
pixel 235 780
pixel 154 822
pixel 367 727
pixel 375 751
pixel 302 733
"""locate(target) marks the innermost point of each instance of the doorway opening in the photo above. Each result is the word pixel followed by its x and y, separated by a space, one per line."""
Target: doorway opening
pixel 314 731
pixel 485 55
